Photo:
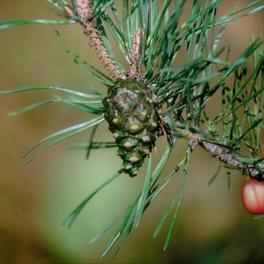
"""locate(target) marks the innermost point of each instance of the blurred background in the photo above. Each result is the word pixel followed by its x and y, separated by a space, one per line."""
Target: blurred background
pixel 212 227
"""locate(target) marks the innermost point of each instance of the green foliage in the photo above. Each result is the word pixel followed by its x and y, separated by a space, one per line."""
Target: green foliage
pixel 183 91
pixel 71 218
pixel 22 22
pixel 60 136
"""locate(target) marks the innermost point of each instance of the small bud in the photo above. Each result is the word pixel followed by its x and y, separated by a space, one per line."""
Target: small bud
pixel 68 10
pixel 145 150
pixel 118 121
pixel 134 128
pixel 146 139
pixel 128 145
pixel 116 135
pixel 154 124
pixel 134 159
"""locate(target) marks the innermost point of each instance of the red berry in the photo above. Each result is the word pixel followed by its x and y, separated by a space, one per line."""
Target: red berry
pixel 253 196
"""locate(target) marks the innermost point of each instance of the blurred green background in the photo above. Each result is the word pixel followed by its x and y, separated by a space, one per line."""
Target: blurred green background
pixel 213 227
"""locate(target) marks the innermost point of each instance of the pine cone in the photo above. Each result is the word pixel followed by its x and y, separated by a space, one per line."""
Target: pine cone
pixel 132 115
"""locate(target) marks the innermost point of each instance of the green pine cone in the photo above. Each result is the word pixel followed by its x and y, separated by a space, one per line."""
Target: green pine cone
pixel 132 115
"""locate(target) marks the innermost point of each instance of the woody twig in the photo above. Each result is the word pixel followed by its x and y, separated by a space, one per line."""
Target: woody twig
pixel 134 71
pixel 84 13
pixel 227 156
pixel 255 171
pixel 222 153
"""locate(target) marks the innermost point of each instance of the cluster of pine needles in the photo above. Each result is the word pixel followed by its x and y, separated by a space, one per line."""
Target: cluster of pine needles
pixel 184 91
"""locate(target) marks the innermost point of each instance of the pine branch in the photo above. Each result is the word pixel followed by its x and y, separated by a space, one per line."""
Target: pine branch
pixel 254 169
pixel 150 38
pixel 249 166
pixel 84 12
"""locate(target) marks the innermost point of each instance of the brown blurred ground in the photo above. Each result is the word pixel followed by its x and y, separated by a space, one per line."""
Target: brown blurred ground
pixel 212 228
